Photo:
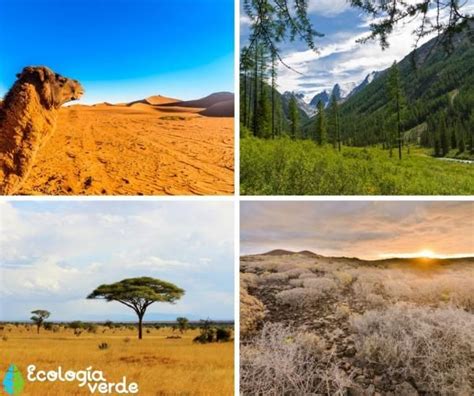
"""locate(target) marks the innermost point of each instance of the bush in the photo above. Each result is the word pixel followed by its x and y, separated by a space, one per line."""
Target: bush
pixel 296 282
pixel 324 285
pixel 92 328
pixel 103 346
pixel 431 347
pixel 223 334
pixel 271 278
pixel 77 324
pixel 252 312
pixel 48 326
pixel 344 278
pixel 281 361
pixel 299 297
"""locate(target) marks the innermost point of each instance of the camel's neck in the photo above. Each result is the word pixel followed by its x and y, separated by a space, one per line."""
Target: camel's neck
pixel 22 108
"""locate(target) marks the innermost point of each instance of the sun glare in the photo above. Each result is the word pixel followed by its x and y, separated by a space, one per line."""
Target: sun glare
pixel 427 253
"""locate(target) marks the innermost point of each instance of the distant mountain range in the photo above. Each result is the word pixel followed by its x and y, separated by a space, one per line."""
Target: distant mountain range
pixel 341 91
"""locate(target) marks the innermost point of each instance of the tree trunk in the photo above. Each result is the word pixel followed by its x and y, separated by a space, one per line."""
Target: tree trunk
pixel 244 116
pixel 140 325
pixel 38 328
pixel 399 127
pixel 255 93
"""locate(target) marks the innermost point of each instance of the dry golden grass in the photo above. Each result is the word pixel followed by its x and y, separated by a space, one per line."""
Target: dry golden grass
pixel 159 365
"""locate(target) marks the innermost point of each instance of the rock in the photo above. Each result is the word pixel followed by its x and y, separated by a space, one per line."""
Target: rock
pixel 406 389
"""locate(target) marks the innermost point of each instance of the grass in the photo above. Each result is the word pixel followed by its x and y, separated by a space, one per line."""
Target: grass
pixel 159 365
pixel 287 167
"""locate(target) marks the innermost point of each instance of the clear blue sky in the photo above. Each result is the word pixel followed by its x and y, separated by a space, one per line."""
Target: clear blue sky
pixel 122 49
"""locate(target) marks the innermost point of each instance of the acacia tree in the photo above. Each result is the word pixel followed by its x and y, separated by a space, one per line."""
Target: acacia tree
pixel 38 318
pixel 138 294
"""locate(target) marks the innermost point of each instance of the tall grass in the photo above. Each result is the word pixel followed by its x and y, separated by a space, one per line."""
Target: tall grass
pixel 160 366
pixel 287 167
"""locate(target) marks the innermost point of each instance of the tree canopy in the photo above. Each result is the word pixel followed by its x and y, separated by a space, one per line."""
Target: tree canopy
pixel 138 294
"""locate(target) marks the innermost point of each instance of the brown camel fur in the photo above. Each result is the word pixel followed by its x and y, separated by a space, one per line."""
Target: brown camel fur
pixel 28 118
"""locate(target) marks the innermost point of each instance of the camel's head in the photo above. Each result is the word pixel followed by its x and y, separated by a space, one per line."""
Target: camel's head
pixel 54 89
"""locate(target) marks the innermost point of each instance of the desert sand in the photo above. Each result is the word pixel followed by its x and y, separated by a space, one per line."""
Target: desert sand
pixel 154 146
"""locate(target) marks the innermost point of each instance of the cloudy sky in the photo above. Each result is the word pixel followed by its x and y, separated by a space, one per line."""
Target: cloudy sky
pixel 53 254
pixel 340 60
pixel 364 229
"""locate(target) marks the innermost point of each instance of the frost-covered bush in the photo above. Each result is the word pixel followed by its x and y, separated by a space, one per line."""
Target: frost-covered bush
pixel 275 277
pixel 325 285
pixel 434 348
pixel 281 361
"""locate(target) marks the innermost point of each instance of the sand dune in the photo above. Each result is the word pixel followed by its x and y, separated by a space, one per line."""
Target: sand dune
pixel 220 109
pixel 205 102
pixel 139 148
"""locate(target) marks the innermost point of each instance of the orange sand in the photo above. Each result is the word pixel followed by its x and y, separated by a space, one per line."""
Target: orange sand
pixel 139 149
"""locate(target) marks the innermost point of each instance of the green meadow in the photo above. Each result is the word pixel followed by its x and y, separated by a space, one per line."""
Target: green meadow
pixel 301 167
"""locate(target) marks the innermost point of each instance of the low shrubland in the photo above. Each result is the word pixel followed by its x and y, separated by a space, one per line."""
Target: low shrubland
pixel 434 348
pixel 345 326
pixel 282 361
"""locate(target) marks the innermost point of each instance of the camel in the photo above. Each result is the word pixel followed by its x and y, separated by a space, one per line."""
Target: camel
pixel 28 118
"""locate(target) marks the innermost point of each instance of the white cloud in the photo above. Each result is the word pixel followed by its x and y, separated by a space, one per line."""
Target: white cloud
pixel 328 8
pixel 342 60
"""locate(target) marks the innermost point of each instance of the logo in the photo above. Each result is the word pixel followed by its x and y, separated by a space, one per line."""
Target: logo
pixel 93 380
pixel 13 382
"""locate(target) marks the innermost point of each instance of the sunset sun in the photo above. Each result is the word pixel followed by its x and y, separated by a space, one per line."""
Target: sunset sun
pixel 426 253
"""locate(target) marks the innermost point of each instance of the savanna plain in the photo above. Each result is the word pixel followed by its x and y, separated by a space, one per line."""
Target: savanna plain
pixel 164 362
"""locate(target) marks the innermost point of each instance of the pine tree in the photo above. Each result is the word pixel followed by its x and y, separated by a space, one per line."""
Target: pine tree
pixel 396 103
pixel 454 142
pixel 443 136
pixel 294 117
pixel 274 75
pixel 320 127
pixel 336 133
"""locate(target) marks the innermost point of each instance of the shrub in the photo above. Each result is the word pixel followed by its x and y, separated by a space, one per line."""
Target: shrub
pixel 48 326
pixel 248 280
pixel 126 340
pixel 344 278
pixel 252 312
pixel 103 346
pixel 271 278
pixel 77 332
pixel 309 275
pixel 299 297
pixel 296 282
pixel 77 324
pixel 281 361
pixel 4 338
pixel 296 272
pixel 92 328
pixel 431 347
pixel 324 285
pixel 223 334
